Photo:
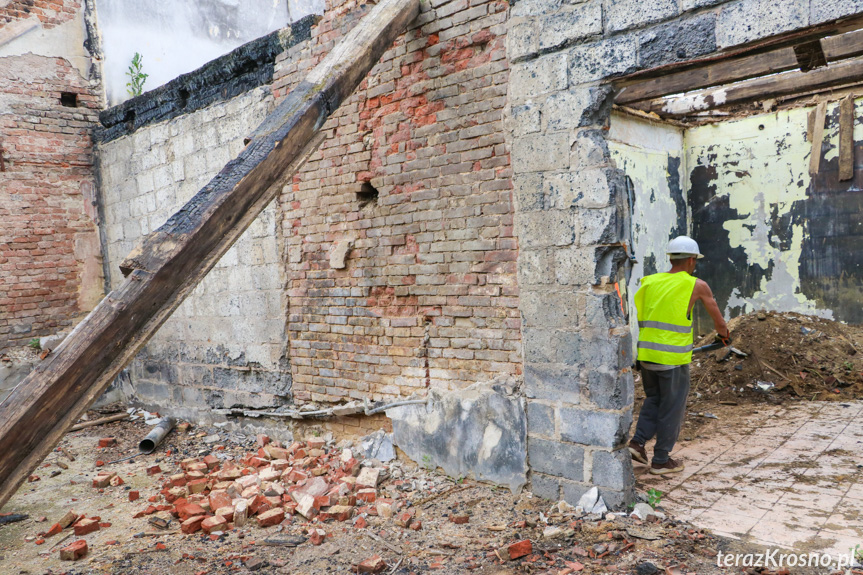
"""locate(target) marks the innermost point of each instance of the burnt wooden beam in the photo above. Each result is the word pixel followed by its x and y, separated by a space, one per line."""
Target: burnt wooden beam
pixel 787 84
pixel 171 261
pixel 742 68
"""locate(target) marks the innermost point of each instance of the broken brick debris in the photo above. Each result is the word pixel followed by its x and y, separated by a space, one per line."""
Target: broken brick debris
pixel 74 551
pixel 374 564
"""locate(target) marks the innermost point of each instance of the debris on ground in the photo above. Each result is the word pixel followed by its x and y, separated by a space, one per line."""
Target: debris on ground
pixel 312 506
pixel 788 355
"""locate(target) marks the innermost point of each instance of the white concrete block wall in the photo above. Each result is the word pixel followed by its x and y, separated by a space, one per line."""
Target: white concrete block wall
pixel 226 344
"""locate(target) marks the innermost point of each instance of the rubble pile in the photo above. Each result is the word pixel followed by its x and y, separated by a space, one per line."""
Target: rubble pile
pixel 308 480
pixel 787 355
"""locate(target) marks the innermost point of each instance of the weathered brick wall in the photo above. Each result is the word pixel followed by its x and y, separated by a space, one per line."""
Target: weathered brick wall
pixel 50 262
pixel 570 217
pixel 428 294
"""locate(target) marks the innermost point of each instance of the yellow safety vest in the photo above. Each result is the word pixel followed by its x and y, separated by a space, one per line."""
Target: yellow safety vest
pixel 664 330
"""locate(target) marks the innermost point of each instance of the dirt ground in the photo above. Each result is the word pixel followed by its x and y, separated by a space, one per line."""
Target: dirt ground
pixel 496 519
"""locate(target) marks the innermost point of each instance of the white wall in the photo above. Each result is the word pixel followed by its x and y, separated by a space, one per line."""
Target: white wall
pixel 178 36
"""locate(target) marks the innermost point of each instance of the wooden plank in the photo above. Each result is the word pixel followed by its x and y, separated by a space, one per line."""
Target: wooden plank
pixel 171 261
pixel 846 138
pixel 817 138
pixel 786 84
pixel 737 69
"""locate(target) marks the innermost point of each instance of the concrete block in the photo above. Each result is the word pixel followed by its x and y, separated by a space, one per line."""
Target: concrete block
pixel 625 14
pixel 602 59
pixel 556 458
pixel 571 24
pixel 546 228
pixel 597 226
pixel 554 382
pixel 528 190
pixel 539 76
pixel 540 419
pixel 613 469
pixel 539 153
pixel 589 150
pixel 563 110
pixel 552 346
pixel 599 428
pixel 748 20
pixel 524 119
pixel 574 266
pixel 824 10
pixel 577 189
pixel 610 389
pixel 522 40
pixel 535 267
pixel 677 41
pixel 534 8
pixel 545 486
pixel 540 309
pixel 573 490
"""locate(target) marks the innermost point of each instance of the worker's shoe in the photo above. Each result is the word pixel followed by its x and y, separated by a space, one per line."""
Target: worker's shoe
pixel 637 451
pixel 670 466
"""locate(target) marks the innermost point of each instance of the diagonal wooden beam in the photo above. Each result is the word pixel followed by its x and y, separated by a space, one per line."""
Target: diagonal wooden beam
pixel 736 69
pixel 170 262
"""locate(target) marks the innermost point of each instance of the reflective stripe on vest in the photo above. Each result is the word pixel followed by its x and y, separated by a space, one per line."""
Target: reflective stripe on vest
pixel 665 331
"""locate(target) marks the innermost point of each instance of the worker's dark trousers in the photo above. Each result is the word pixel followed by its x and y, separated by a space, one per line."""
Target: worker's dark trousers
pixel 663 409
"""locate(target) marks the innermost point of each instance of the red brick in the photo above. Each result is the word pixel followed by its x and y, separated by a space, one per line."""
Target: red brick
pixel 515 550
pixel 215 523
pixel 134 495
pixel 192 524
pixel 85 527
pixel 271 517
pixel 374 564
pixel 74 551
pixel 107 442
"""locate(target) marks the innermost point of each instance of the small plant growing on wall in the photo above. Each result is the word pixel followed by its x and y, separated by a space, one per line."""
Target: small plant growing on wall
pixel 136 76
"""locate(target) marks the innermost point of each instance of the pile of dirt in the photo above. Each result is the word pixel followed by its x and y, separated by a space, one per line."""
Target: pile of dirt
pixel 788 356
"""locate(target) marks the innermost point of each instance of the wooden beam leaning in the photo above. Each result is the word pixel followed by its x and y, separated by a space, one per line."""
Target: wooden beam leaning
pixel 171 261
pixel 786 84
pixel 736 69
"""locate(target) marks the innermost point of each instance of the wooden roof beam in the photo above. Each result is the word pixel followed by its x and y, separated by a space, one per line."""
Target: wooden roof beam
pixel 786 84
pixel 834 48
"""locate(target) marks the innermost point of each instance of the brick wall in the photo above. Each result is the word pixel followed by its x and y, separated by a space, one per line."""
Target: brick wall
pixel 428 294
pixel 50 263
pixel 49 12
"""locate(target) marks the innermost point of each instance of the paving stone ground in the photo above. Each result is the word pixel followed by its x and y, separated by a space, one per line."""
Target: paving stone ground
pixel 787 476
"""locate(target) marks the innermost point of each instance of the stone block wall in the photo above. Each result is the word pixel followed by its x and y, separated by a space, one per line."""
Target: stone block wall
pixel 570 217
pixel 50 259
pixel 225 346
pixel 413 184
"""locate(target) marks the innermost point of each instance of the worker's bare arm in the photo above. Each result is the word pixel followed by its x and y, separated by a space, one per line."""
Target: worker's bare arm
pixel 702 292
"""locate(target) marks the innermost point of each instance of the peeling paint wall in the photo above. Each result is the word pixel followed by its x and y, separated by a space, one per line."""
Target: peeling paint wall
pixel 651 155
pixel 774 237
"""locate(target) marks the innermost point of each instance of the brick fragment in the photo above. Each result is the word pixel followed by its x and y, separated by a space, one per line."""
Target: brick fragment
pixel 374 564
pixel 107 441
pixel 215 523
pixel 192 524
pixel 515 550
pixel 271 517
pixel 74 551
pixel 134 495
pixel 85 527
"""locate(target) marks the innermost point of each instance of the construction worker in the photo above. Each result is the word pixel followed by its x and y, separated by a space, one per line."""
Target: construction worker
pixel 664 305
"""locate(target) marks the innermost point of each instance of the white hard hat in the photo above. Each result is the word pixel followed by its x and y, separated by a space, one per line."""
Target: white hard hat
pixel 682 247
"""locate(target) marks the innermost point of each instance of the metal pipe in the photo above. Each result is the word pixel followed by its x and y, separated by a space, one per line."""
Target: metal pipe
pixel 156 435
